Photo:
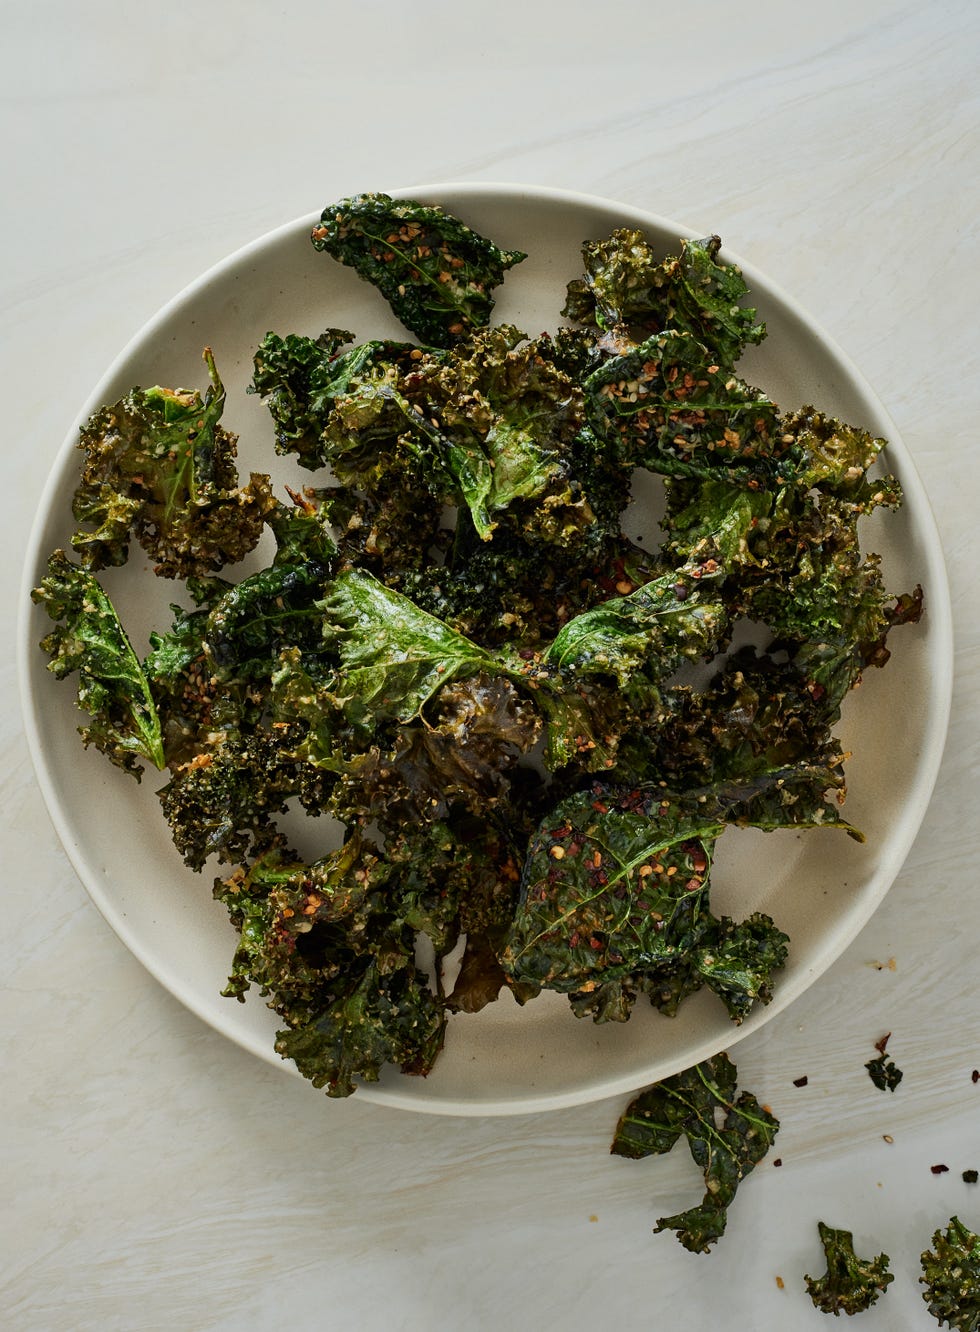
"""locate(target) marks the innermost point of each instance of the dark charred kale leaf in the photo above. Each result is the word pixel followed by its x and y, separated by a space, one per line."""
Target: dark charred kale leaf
pixel 727 1138
pixel 850 1284
pixel 435 272
pixel 884 1073
pixel 89 639
pixel 160 467
pixel 951 1276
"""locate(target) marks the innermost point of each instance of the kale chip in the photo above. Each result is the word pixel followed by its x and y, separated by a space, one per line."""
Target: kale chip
pixel 727 1138
pixel 951 1276
pixel 850 1284
pixel 435 273
pixel 159 466
pixel 89 639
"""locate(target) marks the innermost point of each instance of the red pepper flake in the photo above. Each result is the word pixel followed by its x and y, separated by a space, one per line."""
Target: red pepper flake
pixel 801 1082
pixel 975 1075
pixel 880 1045
pixel 939 1169
pixel 778 1161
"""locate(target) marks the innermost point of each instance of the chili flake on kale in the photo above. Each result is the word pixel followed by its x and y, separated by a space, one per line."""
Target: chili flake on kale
pixel 458 655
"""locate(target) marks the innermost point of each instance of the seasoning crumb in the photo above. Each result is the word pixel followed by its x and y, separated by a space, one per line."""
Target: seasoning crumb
pixel 778 1161
pixel 939 1169
pixel 593 1217
pixel 801 1082
pixel 890 965
pixel 887 1137
pixel 970 1177
pixel 780 1283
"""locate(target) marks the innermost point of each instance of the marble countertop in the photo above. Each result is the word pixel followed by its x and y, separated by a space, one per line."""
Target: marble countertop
pixel 157 1176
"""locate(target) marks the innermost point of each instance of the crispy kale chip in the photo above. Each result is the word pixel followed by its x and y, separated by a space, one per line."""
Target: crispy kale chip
pixel 327 944
pixel 627 285
pixel 88 638
pixel 436 274
pixel 727 1138
pixel 160 467
pixel 668 405
pixel 951 1276
pixel 614 892
pixel 850 1284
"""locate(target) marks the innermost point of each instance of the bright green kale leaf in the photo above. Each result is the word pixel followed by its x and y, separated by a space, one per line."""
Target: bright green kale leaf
pixel 299 378
pixel 690 1104
pixel 850 1284
pixel 951 1276
pixel 88 638
pixel 436 274
pixel 670 406
pixel 393 656
pixel 160 467
pixel 626 283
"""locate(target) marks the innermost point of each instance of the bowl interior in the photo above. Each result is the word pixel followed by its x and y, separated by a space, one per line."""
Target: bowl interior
pixel 819 886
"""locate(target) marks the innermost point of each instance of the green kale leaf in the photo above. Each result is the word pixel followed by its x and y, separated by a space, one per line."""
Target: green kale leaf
pixel 393 656
pixel 159 466
pixel 691 1104
pixel 850 1284
pixel 324 941
pixel 627 284
pixel 657 626
pixel 884 1073
pixel 951 1276
pixel 670 406
pixel 88 638
pixel 435 273
pixel 614 889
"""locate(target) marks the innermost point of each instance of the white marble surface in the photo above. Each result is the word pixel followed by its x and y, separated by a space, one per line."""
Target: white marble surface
pixel 154 1176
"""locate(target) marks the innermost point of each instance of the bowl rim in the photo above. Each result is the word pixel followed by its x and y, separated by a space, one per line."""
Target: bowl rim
pixel 939 610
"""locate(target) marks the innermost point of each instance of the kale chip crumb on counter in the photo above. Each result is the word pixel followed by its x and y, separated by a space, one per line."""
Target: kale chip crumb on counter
pixel 532 730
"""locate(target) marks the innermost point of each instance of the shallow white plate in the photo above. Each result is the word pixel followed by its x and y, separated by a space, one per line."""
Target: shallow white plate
pixel 820 886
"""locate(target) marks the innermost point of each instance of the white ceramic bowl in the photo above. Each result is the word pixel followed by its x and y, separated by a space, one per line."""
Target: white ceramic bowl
pixel 819 886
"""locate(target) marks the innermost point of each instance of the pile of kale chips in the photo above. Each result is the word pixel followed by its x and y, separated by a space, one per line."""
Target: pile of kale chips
pixel 458 653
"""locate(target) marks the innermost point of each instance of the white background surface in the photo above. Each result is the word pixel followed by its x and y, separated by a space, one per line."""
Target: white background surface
pixel 154 1175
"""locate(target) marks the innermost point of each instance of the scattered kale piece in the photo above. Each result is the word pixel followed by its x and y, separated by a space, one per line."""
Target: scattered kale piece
pixel 883 1073
pixel 727 1138
pixel 435 273
pixel 88 638
pixel 951 1276
pixel 160 467
pixel 851 1284
pixel 970 1176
